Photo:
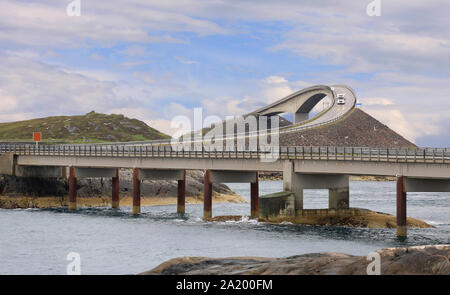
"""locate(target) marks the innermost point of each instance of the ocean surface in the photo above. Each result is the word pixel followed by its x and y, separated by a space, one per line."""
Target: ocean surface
pixel 112 241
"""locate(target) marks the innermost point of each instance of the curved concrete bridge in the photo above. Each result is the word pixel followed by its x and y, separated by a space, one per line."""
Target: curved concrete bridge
pixel 417 170
pixel 301 103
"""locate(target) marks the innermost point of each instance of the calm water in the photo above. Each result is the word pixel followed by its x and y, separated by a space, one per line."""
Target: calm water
pixel 113 242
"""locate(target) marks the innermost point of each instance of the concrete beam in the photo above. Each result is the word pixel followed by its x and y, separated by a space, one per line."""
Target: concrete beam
pixel 95 172
pixel 39 171
pixel 322 181
pixel 233 176
pixel 414 170
pixel 161 174
pixel 426 185
pixel 154 163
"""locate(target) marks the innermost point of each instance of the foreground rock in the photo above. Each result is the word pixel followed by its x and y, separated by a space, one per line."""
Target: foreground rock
pixel 394 261
pixel 353 217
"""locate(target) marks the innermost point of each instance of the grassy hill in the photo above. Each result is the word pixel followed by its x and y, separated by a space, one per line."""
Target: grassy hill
pixel 92 127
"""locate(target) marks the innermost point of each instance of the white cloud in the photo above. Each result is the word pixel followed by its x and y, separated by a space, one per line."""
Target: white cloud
pixel 162 125
pixel 96 56
pixel 275 80
pixel 185 61
pixel 411 127
pixel 132 64
pixel 135 50
pixel 376 101
pixel 405 52
pixel 46 23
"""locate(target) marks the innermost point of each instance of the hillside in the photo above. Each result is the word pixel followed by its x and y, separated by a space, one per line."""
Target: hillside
pixel 92 127
pixel 358 129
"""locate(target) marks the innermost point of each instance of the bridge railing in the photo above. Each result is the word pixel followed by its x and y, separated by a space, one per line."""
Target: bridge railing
pixel 325 153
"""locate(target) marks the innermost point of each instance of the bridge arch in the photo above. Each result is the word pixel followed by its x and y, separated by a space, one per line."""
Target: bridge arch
pixel 299 103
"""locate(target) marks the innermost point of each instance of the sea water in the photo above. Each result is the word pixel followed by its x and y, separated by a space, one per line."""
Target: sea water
pixel 112 241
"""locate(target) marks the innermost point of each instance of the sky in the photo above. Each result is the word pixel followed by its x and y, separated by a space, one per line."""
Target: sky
pixel 154 60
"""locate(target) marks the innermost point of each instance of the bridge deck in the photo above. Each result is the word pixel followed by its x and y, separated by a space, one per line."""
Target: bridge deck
pixel 428 163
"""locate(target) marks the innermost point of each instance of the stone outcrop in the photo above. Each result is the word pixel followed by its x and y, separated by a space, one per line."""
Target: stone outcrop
pixel 358 129
pixel 433 260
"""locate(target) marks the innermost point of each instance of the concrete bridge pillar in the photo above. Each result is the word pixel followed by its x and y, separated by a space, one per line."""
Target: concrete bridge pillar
pixel 401 207
pixel 254 198
pixel 292 182
pixel 115 191
pixel 337 185
pixel 72 189
pixel 207 196
pixel 338 198
pixel 136 192
pixel 181 197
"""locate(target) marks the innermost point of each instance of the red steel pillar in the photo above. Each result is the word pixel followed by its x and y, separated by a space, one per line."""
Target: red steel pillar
pixel 115 190
pixel 181 198
pixel 401 207
pixel 254 197
pixel 207 196
pixel 136 192
pixel 72 189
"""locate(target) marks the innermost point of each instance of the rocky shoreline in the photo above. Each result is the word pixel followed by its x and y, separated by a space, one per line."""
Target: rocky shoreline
pixel 24 202
pixel 18 192
pixel 418 260
pixel 364 219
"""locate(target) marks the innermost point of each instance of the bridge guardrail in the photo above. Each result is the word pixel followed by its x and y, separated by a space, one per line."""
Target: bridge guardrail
pixel 417 155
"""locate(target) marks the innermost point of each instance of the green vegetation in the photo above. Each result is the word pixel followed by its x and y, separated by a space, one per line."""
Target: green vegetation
pixel 90 128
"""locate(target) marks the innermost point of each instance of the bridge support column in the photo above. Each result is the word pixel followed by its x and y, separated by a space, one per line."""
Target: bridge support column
pixel 207 196
pixel 254 198
pixel 293 182
pixel 72 189
pixel 401 207
pixel 181 197
pixel 338 198
pixel 337 185
pixel 115 202
pixel 136 192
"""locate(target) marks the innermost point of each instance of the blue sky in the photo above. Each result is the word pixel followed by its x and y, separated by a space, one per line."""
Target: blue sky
pixel 154 60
